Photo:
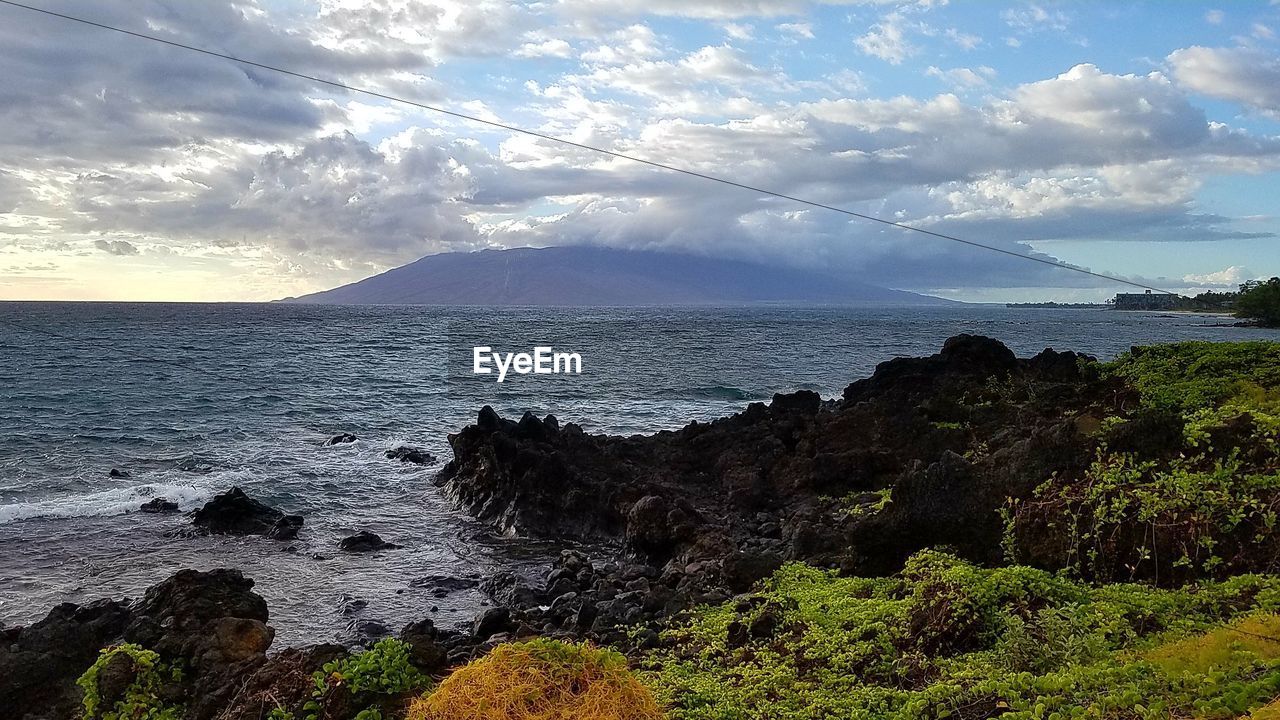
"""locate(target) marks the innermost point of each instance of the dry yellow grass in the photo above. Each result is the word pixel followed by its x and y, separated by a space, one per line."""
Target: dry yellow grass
pixel 1257 636
pixel 1270 712
pixel 540 680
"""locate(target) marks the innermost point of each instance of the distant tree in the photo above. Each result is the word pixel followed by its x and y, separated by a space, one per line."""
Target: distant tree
pixel 1260 301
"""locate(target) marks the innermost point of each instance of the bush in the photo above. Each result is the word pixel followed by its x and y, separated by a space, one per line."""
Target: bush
pixel 141 698
pixel 540 680
pixel 1198 498
pixel 378 675
pixel 946 638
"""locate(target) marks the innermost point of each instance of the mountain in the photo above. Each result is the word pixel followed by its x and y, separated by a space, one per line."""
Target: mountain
pixel 583 275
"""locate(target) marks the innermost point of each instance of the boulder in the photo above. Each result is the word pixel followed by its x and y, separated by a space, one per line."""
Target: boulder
pixel 425 649
pixel 507 588
pixel 441 585
pixel 491 622
pixel 210 623
pixel 235 513
pixel 363 631
pixel 159 505
pixel 365 541
pixel 804 402
pixel 283 680
pixel 417 456
pixel 341 439
pixel 40 663
pixel 286 528
pixel 741 570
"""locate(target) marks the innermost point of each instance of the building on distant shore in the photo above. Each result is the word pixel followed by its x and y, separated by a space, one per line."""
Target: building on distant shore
pixel 1147 301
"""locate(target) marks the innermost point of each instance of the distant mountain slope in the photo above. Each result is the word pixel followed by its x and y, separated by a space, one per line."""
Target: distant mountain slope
pixel 600 276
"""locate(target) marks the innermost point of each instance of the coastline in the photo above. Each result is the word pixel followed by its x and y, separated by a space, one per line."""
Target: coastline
pixel 922 454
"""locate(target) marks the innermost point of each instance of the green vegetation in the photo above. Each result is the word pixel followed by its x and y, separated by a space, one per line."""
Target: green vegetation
pixel 541 680
pixel 1186 485
pixel 865 503
pixel 382 672
pixel 1190 376
pixel 139 700
pixel 948 639
pixel 1260 301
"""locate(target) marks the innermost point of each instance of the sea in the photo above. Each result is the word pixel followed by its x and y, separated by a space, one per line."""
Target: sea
pixel 193 399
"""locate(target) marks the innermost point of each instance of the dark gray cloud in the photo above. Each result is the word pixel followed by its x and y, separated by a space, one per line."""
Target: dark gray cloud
pixel 74 94
pixel 116 247
pixel 335 199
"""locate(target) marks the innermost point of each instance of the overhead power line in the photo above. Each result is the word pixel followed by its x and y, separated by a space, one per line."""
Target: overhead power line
pixel 580 146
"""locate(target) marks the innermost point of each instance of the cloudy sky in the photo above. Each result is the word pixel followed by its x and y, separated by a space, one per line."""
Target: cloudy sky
pixel 1141 139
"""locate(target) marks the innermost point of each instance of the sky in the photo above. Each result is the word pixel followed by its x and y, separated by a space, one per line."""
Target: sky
pixel 1140 139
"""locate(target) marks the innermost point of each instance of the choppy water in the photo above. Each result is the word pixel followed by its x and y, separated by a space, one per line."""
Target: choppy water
pixel 193 399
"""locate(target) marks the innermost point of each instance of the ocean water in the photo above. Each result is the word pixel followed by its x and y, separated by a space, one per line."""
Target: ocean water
pixel 194 399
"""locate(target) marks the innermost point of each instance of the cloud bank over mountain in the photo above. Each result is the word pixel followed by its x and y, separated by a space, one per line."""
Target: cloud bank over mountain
pixel 125 159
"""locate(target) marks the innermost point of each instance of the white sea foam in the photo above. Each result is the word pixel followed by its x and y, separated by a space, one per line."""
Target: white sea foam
pixel 117 501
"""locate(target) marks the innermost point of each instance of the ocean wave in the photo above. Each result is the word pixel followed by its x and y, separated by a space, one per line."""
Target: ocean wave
pixel 117 501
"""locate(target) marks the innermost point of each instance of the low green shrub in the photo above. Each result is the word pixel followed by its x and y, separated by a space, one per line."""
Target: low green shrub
pixel 141 699
pixel 948 639
pixel 1197 498
pixel 1194 375
pixel 380 673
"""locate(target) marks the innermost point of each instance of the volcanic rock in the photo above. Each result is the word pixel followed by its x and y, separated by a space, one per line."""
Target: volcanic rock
pixel 159 505
pixel 365 541
pixel 770 484
pixel 235 513
pixel 417 456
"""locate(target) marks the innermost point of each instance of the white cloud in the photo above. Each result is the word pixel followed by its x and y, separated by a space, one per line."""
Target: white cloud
pixel 1247 76
pixel 704 9
pixel 710 80
pixel 547 48
pixel 1214 17
pixel 963 78
pixel 1140 110
pixel 800 30
pixel 1035 18
pixel 440 28
pixel 634 43
pixel 1228 277
pixel 887 40
pixel 965 41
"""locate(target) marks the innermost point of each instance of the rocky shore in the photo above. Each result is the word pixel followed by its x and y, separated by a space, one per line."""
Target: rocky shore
pixel 949 451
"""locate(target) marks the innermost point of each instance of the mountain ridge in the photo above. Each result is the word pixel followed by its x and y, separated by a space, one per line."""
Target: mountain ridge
pixel 584 275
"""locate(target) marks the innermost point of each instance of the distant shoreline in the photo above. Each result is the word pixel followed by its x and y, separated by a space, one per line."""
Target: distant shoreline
pixel 1057 306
